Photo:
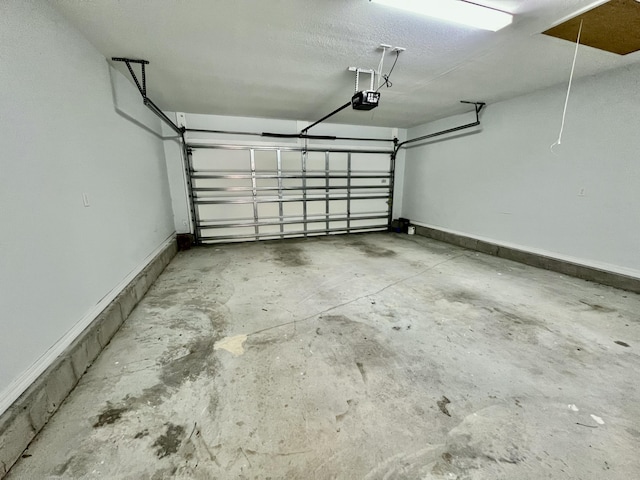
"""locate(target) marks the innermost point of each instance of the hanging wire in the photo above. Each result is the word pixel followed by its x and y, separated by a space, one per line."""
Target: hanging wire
pixel 566 100
pixel 386 82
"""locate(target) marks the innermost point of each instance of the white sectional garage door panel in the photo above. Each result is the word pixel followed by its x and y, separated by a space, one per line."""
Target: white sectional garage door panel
pixel 245 193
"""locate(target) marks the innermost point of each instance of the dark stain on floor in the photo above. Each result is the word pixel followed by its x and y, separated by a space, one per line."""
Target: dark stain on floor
pixel 289 255
pixel 442 405
pixel 62 468
pixel 169 442
pixel 152 396
pixel 598 308
pixel 184 320
pixel 465 296
pixel 165 473
pixel 512 323
pixel 174 373
pixel 372 251
pixel 463 458
pixel 621 343
pixel 362 372
pixel 516 318
pixel 633 432
pixel 359 337
pixel 191 365
pixel 76 466
pixel 109 416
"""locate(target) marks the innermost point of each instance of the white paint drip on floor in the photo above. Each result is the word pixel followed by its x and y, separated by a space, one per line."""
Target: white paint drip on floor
pixel 233 345
pixel 597 419
pixel 574 408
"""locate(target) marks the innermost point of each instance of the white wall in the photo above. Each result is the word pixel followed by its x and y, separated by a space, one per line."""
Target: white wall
pixel 504 184
pixel 259 125
pixel 68 125
pixel 176 174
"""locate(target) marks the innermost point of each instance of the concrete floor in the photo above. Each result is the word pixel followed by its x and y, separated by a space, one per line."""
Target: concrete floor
pixel 366 357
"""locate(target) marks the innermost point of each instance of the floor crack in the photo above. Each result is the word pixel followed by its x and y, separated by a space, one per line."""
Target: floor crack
pixel 344 304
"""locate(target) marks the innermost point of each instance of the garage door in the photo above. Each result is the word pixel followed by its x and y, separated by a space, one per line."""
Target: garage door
pixel 258 193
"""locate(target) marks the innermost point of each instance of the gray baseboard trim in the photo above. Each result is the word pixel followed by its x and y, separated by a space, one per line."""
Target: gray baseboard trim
pixel 21 422
pixel 604 277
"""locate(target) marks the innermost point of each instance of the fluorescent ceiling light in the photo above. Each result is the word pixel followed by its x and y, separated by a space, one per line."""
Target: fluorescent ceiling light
pixel 455 11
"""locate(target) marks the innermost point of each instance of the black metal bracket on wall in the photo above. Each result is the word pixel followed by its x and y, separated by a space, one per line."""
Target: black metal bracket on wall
pixel 142 88
pixel 478 106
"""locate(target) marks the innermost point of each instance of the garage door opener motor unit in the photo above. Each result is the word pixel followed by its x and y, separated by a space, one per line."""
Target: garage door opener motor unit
pixel 365 100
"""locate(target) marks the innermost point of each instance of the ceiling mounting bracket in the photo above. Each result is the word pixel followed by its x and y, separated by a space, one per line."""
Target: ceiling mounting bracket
pixel 478 105
pixel 128 61
pixel 363 70
pixel 142 88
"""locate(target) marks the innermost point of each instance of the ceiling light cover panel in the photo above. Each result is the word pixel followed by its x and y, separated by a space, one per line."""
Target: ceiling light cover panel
pixel 455 11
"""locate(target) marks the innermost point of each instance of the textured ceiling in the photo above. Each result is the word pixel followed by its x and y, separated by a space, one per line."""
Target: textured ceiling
pixel 288 58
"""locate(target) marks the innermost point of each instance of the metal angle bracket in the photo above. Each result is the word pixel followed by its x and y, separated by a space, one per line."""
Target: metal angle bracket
pixel 142 88
pixel 478 106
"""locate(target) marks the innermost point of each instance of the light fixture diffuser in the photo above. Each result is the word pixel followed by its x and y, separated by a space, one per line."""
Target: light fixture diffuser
pixel 456 11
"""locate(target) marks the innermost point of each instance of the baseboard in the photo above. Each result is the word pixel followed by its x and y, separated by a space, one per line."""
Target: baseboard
pixel 35 397
pixel 535 259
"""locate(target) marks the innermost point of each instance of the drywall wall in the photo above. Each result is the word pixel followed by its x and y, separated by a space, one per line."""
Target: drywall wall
pixel 503 184
pixel 73 131
pixel 176 174
pixel 175 166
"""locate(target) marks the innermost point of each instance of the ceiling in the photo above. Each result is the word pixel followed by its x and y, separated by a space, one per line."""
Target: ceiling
pixel 288 58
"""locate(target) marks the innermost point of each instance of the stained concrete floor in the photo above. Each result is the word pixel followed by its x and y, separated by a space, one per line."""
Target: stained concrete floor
pixel 376 356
